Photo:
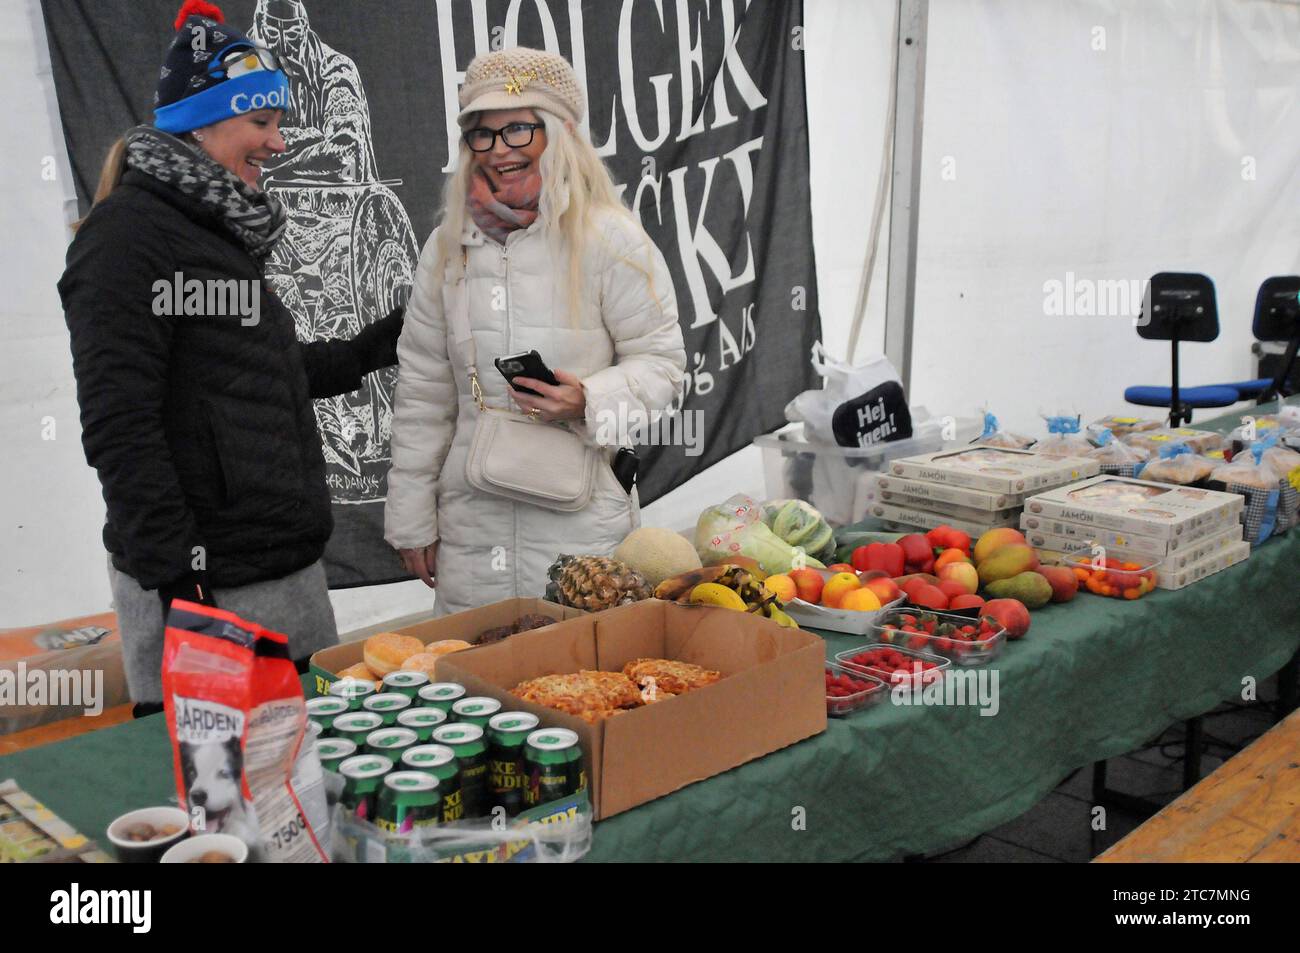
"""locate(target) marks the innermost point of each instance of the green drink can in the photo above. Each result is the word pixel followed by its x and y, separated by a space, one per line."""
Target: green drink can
pixel 471 751
pixel 352 690
pixel 388 706
pixel 334 751
pixel 422 721
pixel 408 801
pixel 390 742
pixel 405 683
pixel 440 761
pixel 362 777
pixel 506 734
pixel 553 761
pixel 325 709
pixel 440 695
pixel 475 711
pixel 356 725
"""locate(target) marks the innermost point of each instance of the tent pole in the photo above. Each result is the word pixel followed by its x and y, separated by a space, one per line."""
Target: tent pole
pixel 905 192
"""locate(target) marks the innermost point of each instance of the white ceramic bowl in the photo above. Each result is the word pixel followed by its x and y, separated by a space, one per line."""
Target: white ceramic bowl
pixel 200 844
pixel 147 852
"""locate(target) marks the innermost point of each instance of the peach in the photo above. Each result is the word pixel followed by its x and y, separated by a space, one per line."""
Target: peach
pixel 808 583
pixel 841 567
pixel 885 589
pixel 995 538
pixel 967 602
pixel 781 586
pixel 964 574
pixel 860 600
pixel 1064 582
pixel 837 586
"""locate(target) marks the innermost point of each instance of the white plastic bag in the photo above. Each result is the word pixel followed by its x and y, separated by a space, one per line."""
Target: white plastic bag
pixel 843 381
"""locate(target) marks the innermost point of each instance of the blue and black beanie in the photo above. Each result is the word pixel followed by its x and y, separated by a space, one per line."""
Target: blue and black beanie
pixel 194 89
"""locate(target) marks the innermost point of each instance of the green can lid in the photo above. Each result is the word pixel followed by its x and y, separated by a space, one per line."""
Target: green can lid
pixel 422 717
pixel 333 749
pixel 404 679
pixel 458 734
pixel 553 739
pixel 513 721
pixel 358 721
pixel 352 687
pixel 428 756
pixel 391 738
pixel 477 706
pixel 386 702
pixel 327 705
pixel 410 781
pixel 366 766
pixel 442 691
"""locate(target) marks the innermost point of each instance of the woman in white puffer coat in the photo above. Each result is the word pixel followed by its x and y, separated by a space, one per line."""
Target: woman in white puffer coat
pixel 535 237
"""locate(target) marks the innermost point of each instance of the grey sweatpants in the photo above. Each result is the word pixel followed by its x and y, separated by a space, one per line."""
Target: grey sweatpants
pixel 297 605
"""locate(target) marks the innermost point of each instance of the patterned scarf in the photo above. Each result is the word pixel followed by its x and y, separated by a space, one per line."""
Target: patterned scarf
pixel 255 217
pixel 501 211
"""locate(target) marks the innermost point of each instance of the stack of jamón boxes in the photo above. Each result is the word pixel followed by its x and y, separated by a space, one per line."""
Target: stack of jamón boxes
pixel 1189 533
pixel 973 489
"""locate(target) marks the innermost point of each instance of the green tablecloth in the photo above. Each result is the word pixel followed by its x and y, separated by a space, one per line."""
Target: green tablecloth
pixel 1094 678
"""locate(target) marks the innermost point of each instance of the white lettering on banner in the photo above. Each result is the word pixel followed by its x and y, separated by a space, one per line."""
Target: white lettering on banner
pixel 692 65
pixel 745 84
pixel 73 906
pixel 626 86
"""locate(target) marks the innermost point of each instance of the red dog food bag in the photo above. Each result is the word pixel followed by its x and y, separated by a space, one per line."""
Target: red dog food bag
pixel 237 720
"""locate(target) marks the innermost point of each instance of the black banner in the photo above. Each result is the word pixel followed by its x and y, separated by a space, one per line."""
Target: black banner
pixel 697 107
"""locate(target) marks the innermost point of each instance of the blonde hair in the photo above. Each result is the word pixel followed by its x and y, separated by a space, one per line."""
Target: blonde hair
pixel 575 186
pixel 110 176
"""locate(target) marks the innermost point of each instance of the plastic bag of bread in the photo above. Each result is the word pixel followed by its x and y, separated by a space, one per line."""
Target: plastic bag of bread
pixel 1177 464
pixel 1271 502
pixel 1199 441
pixel 995 437
pixel 1120 426
pixel 1064 439
pixel 1116 457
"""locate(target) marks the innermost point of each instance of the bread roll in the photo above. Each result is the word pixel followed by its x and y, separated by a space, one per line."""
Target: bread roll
pixel 386 651
pixel 360 670
pixel 446 646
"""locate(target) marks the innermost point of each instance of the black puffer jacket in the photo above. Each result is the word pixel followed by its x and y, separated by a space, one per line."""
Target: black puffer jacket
pixel 201 427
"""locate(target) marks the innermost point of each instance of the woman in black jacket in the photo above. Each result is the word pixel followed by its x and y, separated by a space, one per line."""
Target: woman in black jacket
pixel 195 394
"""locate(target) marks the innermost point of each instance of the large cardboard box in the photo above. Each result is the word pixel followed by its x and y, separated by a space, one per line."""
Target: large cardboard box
pixel 994 469
pixel 772 693
pixel 467 626
pixel 1158 510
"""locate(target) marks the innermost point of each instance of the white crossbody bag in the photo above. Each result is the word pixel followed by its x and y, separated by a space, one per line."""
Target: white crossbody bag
pixel 514 455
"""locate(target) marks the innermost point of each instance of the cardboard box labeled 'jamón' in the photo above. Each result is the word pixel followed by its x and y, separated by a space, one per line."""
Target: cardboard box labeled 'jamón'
pixel 771 694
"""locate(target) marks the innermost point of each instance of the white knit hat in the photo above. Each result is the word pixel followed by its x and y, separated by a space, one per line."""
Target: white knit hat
pixel 518 78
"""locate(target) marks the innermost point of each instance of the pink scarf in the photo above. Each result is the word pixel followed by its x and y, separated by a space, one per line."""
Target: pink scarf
pixel 499 211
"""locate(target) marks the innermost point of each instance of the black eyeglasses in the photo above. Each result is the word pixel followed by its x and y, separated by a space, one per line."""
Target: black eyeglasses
pixel 516 136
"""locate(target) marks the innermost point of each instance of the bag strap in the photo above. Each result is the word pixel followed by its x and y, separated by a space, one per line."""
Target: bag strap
pixel 461 335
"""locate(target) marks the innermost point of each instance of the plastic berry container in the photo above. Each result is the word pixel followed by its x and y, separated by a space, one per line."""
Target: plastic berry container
pixel 945 637
pixel 853 661
pixel 839 705
pixel 1115 578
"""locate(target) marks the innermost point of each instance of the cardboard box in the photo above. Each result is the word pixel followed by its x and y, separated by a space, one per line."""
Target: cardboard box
pixel 1218 561
pixel 1002 517
pixel 1160 510
pixel 926 520
pixel 941 493
pixel 772 693
pixel 1065 536
pixel 466 625
pixel 994 469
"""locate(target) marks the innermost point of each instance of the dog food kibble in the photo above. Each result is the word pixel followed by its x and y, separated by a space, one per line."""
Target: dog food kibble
pixel 145 831
pixel 212 857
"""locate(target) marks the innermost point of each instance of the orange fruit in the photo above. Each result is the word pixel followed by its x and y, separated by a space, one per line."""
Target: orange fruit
pixel 860 600
pixel 781 586
pixel 837 586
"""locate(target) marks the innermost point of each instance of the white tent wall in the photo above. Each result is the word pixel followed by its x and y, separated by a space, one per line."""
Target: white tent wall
pixel 1108 163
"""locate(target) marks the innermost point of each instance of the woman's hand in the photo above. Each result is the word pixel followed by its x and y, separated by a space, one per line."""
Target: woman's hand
pixel 567 401
pixel 422 563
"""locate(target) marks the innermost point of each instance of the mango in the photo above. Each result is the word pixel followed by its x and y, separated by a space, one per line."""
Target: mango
pixel 1007 561
pixel 994 539
pixel 1027 587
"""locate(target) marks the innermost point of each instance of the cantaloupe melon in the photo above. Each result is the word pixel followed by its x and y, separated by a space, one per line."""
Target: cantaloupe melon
pixel 657 553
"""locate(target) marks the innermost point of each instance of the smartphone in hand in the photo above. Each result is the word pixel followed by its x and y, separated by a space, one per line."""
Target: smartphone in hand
pixel 527 364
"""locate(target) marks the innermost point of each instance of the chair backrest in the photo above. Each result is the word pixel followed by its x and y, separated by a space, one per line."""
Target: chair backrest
pixel 1277 309
pixel 1180 304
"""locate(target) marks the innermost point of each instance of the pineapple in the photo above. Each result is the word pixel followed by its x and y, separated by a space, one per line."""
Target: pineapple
pixel 594 583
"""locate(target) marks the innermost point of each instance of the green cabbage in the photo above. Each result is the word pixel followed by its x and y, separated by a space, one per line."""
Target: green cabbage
pixel 735 528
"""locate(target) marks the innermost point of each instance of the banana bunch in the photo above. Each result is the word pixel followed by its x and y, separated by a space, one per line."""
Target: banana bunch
pixel 730 587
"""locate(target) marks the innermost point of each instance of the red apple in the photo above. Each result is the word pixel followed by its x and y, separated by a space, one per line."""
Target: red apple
pixel 1011 614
